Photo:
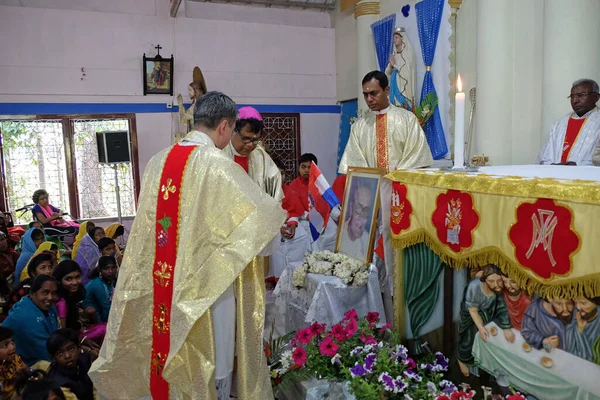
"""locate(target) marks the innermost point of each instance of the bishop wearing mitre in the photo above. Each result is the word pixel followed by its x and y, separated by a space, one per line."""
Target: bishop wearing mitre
pixel 189 298
pixel 387 137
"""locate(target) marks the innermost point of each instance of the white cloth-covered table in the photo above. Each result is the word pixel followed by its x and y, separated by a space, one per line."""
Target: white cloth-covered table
pixel 325 299
pixel 570 377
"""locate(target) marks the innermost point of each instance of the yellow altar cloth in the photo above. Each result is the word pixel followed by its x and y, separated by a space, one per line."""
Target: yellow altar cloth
pixel 541 228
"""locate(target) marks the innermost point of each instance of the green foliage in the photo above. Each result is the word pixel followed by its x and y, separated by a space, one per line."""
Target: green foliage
pixel 424 111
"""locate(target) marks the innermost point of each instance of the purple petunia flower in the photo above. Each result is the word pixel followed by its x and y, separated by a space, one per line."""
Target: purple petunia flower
pixel 412 375
pixel 358 370
pixel 388 382
pixel 441 361
pixel 356 351
pixel 431 387
pixel 447 387
pixel 399 385
pixel 370 361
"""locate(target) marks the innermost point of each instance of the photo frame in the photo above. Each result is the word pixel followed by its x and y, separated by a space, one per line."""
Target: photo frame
pixel 158 75
pixel 357 226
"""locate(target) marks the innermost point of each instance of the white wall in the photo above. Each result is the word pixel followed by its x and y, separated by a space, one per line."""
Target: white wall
pixel 255 62
pixel 320 137
pixel 346 54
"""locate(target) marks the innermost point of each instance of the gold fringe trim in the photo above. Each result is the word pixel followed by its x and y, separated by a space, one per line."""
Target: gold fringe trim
pixel 588 286
pixel 576 190
pixel 369 8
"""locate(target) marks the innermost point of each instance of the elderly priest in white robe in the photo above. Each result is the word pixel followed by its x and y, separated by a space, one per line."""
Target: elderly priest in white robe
pixel 575 137
pixel 387 137
pixel 189 298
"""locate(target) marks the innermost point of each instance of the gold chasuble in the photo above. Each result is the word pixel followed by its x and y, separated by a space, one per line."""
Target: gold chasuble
pixel 199 224
pixel 390 139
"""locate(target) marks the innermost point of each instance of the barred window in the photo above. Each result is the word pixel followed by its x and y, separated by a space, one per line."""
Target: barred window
pixel 282 141
pixel 60 155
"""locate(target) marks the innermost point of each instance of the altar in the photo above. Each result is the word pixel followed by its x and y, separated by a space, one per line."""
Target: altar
pixel 537 224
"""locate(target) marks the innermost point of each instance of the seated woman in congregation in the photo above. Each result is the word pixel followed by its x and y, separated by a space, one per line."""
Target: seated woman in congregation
pixel 49 215
pixel 34 319
pixel 85 228
pixel 98 296
pixel 32 239
pixel 89 253
pixel 46 247
pixel 71 294
pixel 65 251
pixel 42 264
pixel 70 365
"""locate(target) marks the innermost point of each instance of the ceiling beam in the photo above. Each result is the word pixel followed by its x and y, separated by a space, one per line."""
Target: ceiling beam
pixel 280 3
pixel 174 7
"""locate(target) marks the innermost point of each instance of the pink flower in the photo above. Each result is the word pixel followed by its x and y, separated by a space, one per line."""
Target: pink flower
pixel 299 355
pixel 317 328
pixel 304 336
pixel 516 396
pixel 373 317
pixel 410 363
pixel 368 339
pixel 386 326
pixel 351 314
pixel 351 328
pixel 328 347
pixel 338 332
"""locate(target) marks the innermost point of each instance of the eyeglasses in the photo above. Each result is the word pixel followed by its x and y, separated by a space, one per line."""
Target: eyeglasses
pixel 248 140
pixel 580 95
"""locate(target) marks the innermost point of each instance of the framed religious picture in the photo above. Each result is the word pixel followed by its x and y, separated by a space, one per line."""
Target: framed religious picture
pixel 358 220
pixel 158 75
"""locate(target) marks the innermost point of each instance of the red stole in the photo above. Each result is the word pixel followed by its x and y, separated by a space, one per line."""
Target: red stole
pixel 163 271
pixel 381 142
pixel 241 161
pixel 573 129
pixel 516 309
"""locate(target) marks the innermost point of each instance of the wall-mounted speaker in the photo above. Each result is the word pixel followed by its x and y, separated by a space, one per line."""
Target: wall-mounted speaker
pixel 113 147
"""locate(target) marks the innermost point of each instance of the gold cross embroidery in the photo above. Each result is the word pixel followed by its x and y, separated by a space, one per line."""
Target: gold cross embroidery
pixel 161 323
pixel 544 224
pixel 163 276
pixel 158 363
pixel 169 188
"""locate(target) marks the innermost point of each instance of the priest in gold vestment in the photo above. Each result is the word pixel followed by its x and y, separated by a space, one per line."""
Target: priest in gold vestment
pixel 387 137
pixel 200 223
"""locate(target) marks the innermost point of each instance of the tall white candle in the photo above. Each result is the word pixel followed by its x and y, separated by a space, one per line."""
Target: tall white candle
pixel 459 127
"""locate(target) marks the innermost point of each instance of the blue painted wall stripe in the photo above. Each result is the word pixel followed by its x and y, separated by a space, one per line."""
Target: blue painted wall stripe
pixel 121 108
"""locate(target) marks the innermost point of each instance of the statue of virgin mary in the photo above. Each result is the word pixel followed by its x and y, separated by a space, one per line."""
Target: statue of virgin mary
pixel 401 71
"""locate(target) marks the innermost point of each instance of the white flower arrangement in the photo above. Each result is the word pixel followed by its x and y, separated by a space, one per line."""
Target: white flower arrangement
pixel 350 271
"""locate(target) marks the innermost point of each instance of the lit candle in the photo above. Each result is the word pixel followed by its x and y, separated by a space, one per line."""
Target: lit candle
pixel 459 127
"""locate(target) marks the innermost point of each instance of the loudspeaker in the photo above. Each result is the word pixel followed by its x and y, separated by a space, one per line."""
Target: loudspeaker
pixel 113 147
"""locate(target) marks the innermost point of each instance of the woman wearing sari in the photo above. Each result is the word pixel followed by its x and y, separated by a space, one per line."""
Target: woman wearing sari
pixel 32 239
pixel 88 253
pixel 50 247
pixel 85 228
pixel 49 215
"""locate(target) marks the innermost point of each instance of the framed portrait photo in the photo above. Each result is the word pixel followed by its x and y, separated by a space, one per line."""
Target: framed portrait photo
pixel 358 220
pixel 158 75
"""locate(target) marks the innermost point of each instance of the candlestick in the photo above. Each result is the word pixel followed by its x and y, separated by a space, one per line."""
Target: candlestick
pixel 459 127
